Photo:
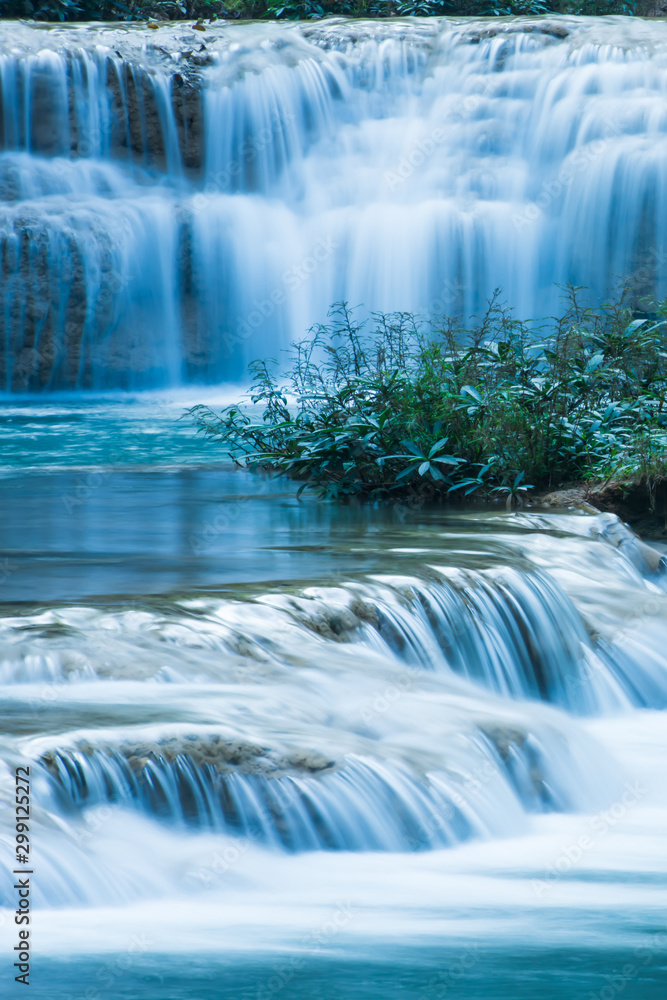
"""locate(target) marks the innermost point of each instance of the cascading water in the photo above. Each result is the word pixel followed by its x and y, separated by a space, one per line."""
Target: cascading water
pixel 176 207
pixel 200 754
pixel 279 751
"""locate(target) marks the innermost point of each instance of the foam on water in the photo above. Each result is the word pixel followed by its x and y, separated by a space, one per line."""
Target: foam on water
pixel 404 166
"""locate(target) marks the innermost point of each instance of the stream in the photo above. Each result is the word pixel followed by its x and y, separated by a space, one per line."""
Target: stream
pixel 284 749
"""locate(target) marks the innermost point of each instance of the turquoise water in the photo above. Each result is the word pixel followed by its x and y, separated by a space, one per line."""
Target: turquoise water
pixel 417 713
pixel 113 431
pixel 120 496
pixel 282 749
pixel 468 972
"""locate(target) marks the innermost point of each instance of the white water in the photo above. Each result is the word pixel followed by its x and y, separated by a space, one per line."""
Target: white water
pixel 261 736
pixel 371 763
pixel 410 165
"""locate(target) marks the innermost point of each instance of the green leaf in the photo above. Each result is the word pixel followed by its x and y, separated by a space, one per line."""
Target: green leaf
pixel 413 449
pixel 436 447
pixel 404 473
pixel 470 391
pixel 464 482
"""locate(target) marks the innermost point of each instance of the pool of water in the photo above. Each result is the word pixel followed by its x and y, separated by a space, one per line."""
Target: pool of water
pixel 286 749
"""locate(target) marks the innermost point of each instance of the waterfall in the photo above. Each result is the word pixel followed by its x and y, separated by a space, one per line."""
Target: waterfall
pixel 305 691
pixel 264 745
pixel 459 726
pixel 519 631
pixel 175 207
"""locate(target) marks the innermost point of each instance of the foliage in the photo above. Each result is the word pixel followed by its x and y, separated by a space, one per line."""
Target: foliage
pixel 422 8
pixel 518 8
pixel 377 412
pixel 165 10
pixel 295 11
pixel 120 10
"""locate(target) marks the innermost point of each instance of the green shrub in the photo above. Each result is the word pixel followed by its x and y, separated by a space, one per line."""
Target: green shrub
pixel 121 10
pixel 143 10
pixel 376 409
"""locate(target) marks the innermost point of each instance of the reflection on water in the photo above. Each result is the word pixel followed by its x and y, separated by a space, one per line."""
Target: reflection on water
pixel 311 751
pixel 121 497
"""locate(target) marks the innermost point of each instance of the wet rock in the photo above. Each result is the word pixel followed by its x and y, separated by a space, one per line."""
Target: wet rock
pixel 505 739
pixel 516 747
pixel 309 760
pixel 135 110
pixel 365 612
pixel 640 504
pixel 222 755
pixel 337 624
pixel 577 497
pixel 188 112
pixel 556 30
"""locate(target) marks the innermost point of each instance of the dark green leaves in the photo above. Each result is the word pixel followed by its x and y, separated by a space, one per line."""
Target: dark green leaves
pixel 400 409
